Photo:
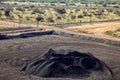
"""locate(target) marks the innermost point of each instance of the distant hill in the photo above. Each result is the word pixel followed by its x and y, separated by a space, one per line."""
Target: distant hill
pixel 72 1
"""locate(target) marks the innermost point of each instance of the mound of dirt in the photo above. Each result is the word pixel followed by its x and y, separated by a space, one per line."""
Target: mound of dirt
pixel 69 64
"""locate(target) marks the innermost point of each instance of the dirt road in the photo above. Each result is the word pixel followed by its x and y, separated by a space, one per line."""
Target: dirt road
pixel 98 29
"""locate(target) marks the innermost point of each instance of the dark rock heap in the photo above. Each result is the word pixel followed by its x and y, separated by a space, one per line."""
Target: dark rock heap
pixel 65 63
pixel 3 37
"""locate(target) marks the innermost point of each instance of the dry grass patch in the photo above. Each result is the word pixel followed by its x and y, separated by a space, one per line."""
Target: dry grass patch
pixel 98 29
pixel 115 33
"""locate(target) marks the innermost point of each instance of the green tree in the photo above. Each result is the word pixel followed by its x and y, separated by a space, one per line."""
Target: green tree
pixel 39 19
pixel 60 11
pixel 7 12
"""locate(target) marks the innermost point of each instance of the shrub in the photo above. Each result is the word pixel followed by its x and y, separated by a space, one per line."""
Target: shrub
pixel 104 5
pixel 0 14
pixel 85 13
pixel 118 30
pixel 40 18
pixel 117 12
pixel 76 10
pixel 116 6
pixel 2 8
pixel 37 11
pixel 80 16
pixel 109 32
pixel 73 16
pixel 28 18
pixel 15 4
pixel 109 10
pixel 7 12
pixel 20 9
pixel 58 17
pixel 60 11
pixel 32 6
pixel 50 19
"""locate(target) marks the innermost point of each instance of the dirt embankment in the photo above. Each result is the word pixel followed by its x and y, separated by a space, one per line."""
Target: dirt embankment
pixel 97 29
pixel 95 32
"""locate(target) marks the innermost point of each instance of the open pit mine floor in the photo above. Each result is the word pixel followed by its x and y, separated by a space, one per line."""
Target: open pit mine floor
pixel 11 49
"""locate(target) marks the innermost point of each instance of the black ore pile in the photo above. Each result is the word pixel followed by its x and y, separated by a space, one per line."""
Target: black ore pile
pixel 68 64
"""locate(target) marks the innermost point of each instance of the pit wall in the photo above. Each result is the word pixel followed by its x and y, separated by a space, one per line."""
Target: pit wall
pixel 90 38
pixel 62 33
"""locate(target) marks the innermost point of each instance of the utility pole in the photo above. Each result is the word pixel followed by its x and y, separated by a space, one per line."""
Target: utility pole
pixel 19 20
pixel 20 16
pixel 90 12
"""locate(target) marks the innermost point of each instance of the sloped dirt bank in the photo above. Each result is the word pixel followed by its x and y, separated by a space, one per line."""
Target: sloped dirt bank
pixel 62 33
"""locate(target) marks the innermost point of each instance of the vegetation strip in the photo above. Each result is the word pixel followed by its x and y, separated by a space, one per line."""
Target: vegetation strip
pixel 115 33
pixel 33 14
pixel 82 23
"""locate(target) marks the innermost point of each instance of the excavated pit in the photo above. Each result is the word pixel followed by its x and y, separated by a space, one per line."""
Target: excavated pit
pixel 15 52
pixel 61 33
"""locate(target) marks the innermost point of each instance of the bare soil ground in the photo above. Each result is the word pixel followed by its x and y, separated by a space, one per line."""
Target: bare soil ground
pixel 7 24
pixel 34 46
pixel 98 29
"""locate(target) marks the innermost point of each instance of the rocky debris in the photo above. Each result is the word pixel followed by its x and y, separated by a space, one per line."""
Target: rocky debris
pixel 68 64
pixel 25 35
pixel 3 37
pixel 33 34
